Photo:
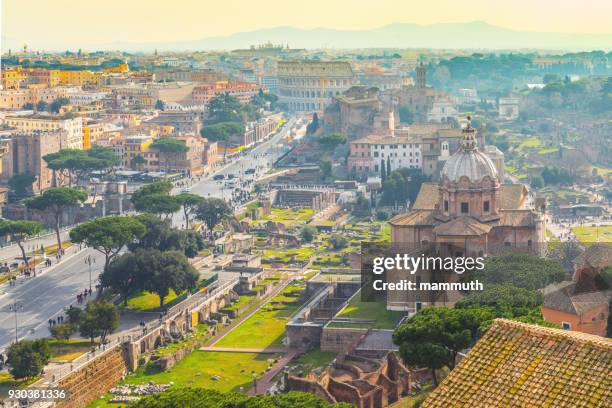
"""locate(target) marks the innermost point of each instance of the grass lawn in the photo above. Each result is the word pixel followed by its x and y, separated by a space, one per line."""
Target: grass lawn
pixel 530 143
pixel 384 319
pixel 548 150
pixel 590 235
pixel 286 255
pixel 267 326
pixel 7 382
pixel 197 369
pixel 242 301
pixel 149 302
pixel 69 349
pixel 290 217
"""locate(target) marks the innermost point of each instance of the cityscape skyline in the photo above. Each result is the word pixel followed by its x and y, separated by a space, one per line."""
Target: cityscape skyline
pixel 191 21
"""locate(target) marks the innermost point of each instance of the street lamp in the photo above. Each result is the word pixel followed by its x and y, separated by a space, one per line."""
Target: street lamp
pixel 15 307
pixel 88 261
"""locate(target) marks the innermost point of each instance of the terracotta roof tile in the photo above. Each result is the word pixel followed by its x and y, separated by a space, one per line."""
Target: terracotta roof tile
pixel 596 256
pixel 520 365
pixel 462 226
pixel 427 198
pixel 512 196
pixel 415 217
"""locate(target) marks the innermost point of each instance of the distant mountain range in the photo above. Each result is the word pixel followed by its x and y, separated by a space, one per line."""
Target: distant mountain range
pixel 471 35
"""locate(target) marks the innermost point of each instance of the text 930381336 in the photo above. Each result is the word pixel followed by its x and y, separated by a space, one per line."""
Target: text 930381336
pixel 38 394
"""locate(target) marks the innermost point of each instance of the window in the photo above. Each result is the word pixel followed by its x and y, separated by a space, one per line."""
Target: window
pixel 419 306
pixel 465 208
pixel 485 206
pixel 566 326
pixel 445 205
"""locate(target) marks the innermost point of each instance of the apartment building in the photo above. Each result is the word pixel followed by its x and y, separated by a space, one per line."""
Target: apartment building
pixel 32 124
pixel 243 91
pixel 369 153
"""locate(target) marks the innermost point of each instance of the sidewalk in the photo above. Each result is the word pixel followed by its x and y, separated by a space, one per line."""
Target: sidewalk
pixel 42 270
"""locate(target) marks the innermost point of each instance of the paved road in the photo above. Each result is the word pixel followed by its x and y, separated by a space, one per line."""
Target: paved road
pixel 45 296
pixel 12 252
pixel 264 155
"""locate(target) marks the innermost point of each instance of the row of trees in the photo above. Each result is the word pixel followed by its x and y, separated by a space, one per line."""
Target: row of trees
pixel 155 198
pixel 53 107
pixel 401 185
pixel 228 116
pixel 77 165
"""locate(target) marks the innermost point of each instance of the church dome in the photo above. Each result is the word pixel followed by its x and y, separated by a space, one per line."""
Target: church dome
pixel 469 161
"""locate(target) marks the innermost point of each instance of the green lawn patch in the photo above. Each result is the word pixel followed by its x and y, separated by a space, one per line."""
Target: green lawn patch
pixel 69 349
pixel 590 235
pixel 266 327
pixel 149 302
pixel 235 370
pixel 377 311
pixel 7 382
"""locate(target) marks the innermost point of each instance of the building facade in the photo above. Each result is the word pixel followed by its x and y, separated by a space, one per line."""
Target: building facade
pixel 307 86
pixel 26 156
pixel 72 128
pixel 468 213
pixel 243 91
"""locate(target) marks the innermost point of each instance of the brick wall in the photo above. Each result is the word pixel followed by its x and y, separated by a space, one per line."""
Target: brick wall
pixel 94 379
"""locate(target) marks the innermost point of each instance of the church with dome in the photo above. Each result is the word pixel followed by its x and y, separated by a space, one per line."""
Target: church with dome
pixel 469 212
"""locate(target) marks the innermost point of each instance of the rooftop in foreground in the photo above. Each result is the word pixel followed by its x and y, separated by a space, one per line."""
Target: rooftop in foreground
pixel 522 365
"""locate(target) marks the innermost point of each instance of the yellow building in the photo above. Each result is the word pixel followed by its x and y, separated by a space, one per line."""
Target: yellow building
pixel 13 78
pixel 119 69
pixel 41 76
pixel 135 146
pixel 14 99
pixel 79 77
pixel 92 131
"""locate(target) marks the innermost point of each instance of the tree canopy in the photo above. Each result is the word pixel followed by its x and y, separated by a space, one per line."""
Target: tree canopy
pixel 108 235
pixel 21 183
pixel 155 198
pixel 20 230
pixel 80 163
pixel 27 358
pixel 152 270
pixel 433 337
pixel 212 211
pixel 332 140
pixel 189 202
pixel 520 270
pixel 221 131
pixel 209 398
pixel 56 201
pixel 401 185
pixel 99 320
pixel 169 145
pixel 160 234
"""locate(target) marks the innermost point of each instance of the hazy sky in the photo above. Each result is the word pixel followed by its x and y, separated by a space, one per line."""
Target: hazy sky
pixel 40 23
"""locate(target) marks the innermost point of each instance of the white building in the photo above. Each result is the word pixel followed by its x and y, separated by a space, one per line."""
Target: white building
pixel 86 98
pixel 40 124
pixel 466 95
pixel 508 108
pixel 368 153
pixel 442 111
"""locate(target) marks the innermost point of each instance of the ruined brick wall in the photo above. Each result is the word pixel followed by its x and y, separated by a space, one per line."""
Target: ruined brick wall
pixel 311 387
pixel 94 379
pixel 340 339
pixel 343 392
